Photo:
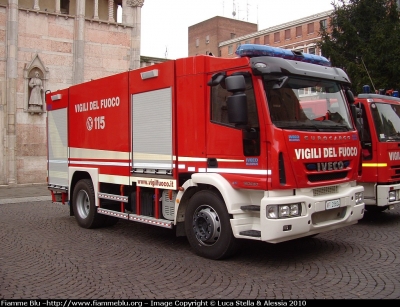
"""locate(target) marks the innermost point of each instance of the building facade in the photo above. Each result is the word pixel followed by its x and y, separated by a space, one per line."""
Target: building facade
pixel 47 45
pixel 300 35
pixel 205 37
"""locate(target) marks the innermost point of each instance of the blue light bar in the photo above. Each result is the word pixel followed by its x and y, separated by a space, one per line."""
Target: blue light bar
pixel 254 50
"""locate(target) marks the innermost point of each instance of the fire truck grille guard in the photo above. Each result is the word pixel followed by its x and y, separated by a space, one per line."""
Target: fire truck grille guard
pixel 327 177
pixel 325 191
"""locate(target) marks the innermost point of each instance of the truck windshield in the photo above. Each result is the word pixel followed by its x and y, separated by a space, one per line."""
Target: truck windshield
pixel 387 121
pixel 307 104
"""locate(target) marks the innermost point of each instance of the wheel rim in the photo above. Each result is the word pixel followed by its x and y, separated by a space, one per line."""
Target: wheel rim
pixel 83 204
pixel 206 225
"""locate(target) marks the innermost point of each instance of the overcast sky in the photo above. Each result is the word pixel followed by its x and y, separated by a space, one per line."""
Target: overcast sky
pixel 165 23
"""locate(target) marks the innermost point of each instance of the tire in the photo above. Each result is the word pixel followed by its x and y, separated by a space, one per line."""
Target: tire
pixel 208 227
pixel 375 209
pixel 85 210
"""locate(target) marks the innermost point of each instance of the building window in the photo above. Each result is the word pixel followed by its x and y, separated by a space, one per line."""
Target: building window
pixel 287 34
pixel 298 31
pixel 230 49
pixel 311 50
pixel 233 35
pixel 197 42
pixel 238 45
pixel 310 28
pixel 207 39
pixel 247 41
pixel 257 40
pixel 266 39
pixel 277 37
pixel 323 24
pixel 64 6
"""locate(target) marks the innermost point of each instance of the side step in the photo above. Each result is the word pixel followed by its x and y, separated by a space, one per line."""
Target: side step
pixel 138 218
pixel 250 208
pixel 251 233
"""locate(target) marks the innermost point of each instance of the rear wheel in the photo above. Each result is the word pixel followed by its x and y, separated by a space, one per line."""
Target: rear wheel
pixel 208 227
pixel 85 210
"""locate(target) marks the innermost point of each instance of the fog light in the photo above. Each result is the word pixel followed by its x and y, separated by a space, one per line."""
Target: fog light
pixel 287 227
pixel 272 212
pixel 294 209
pixel 284 211
pixel 392 195
pixel 359 198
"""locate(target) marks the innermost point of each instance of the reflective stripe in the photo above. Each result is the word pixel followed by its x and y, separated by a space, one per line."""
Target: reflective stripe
pixel 374 164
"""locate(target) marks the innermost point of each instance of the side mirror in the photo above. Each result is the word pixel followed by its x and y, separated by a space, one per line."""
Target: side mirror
pixel 349 96
pixel 237 103
pixel 235 84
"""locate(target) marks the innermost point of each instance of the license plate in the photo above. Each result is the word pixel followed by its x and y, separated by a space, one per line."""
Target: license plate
pixel 331 204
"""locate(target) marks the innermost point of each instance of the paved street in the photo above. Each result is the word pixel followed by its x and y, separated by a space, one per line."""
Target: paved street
pixel 45 254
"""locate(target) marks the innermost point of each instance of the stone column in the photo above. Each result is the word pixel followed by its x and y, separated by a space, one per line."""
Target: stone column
pixel 131 14
pixel 11 91
pixel 111 11
pixel 96 10
pixel 58 7
pixel 36 5
pixel 79 42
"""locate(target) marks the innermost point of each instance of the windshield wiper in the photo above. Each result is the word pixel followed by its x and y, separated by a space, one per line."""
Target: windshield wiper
pixel 300 127
pixel 340 127
pixel 393 137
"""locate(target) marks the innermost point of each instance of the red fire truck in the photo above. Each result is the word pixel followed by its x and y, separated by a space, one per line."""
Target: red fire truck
pixel 217 149
pixel 380 141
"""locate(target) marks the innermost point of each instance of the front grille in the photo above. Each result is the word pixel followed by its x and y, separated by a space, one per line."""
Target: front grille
pixel 396 170
pixel 328 176
pixel 325 190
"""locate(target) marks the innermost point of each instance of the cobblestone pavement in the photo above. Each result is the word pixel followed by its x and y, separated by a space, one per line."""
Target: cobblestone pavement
pixel 45 254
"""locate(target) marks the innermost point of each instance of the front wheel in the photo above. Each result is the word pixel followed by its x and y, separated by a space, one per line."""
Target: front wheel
pixel 208 227
pixel 84 207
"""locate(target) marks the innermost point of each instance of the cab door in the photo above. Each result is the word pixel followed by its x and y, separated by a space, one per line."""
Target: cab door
pixel 233 147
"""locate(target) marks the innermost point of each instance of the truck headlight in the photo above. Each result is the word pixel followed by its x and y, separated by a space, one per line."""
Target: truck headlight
pixel 392 195
pixel 359 198
pixel 283 211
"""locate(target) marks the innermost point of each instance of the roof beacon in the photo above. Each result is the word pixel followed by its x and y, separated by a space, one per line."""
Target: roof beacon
pixel 254 50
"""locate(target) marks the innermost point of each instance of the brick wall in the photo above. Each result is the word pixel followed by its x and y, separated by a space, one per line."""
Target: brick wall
pixel 218 29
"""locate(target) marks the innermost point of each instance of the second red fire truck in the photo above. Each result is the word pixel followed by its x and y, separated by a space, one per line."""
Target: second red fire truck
pixel 380 139
pixel 258 147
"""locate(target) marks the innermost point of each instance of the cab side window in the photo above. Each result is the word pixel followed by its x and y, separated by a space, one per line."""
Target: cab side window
pixel 219 115
pixel 366 143
pixel 219 111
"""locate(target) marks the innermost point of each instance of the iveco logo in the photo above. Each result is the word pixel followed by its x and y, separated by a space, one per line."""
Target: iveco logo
pixel 329 166
pixel 325 138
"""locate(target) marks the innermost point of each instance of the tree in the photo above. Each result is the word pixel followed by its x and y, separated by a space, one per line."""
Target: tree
pixel 363 38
